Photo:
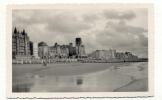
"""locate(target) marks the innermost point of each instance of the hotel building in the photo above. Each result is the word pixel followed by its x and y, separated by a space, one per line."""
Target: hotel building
pixel 21 45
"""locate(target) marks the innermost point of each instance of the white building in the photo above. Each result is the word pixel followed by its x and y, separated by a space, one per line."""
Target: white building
pixel 80 50
pixel 35 50
pixel 103 54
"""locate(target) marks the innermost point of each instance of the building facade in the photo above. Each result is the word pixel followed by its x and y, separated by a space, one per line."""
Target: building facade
pixel 59 51
pixel 21 45
pixel 68 51
pixel 52 52
pixel 43 50
pixel 103 54
pixel 126 56
pixel 113 55
pixel 62 51
pixel 35 50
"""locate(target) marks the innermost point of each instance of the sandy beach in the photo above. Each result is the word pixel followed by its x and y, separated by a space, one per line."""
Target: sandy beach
pixel 81 77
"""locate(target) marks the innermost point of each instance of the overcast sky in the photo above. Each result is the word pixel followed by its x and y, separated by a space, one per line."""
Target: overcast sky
pixel 120 29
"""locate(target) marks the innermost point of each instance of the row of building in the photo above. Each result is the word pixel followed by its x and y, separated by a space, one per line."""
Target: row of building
pixel 61 51
pixel 23 48
pixel 113 55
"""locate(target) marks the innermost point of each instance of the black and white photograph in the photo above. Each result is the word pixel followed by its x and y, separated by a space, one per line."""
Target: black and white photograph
pixel 80 48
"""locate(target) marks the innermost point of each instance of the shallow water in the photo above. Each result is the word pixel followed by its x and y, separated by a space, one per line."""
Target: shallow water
pixel 80 77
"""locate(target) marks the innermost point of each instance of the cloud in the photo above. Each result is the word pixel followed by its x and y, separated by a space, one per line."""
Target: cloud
pixel 121 26
pixel 67 23
pixel 91 17
pixel 63 22
pixel 121 15
pixel 100 29
pixel 123 37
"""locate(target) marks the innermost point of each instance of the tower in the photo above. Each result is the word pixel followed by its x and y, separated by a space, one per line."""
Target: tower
pixel 78 41
pixel 80 49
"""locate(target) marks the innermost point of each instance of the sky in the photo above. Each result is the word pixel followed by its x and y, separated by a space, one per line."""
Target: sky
pixel 100 29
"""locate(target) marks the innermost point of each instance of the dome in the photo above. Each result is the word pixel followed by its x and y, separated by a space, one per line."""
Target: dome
pixel 42 44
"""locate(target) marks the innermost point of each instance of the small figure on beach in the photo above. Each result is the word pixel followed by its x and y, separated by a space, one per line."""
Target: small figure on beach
pixel 44 63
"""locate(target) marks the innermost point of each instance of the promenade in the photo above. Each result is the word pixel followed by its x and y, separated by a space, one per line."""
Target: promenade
pixel 65 60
